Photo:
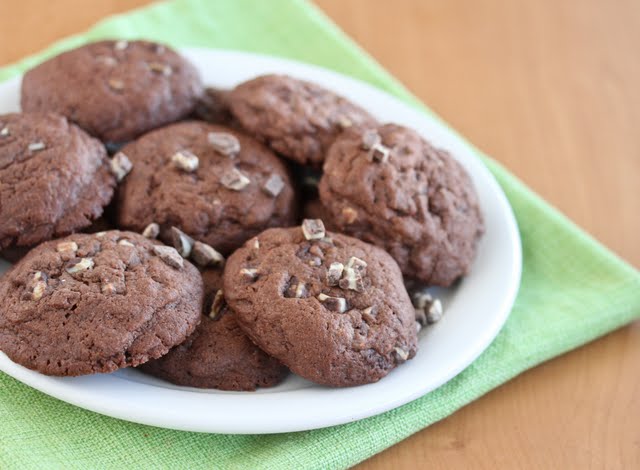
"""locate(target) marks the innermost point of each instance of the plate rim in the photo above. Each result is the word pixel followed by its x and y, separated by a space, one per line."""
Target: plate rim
pixel 63 389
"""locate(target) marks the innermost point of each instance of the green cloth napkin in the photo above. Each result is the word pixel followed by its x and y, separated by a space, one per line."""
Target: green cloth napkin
pixel 573 290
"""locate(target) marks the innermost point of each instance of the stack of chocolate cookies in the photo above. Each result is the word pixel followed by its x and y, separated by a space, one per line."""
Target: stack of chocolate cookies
pixel 217 238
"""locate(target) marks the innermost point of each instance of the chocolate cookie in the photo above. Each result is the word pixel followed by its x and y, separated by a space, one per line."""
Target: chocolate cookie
pixel 216 184
pixel 54 178
pixel 297 119
pixel 95 303
pixel 390 187
pixel 218 354
pixel 115 90
pixel 330 307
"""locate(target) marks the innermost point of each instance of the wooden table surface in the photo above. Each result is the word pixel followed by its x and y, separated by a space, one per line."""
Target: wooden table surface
pixel 550 89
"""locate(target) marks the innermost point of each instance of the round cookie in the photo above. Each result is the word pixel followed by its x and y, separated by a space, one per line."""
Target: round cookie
pixel 91 303
pixel 330 307
pixel 390 187
pixel 54 178
pixel 297 119
pixel 216 184
pixel 218 354
pixel 115 90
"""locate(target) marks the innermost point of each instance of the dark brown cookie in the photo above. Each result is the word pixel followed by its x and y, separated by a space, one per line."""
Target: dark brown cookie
pixel 54 178
pixel 218 354
pixel 115 90
pixel 330 307
pixel 297 119
pixel 95 303
pixel 216 184
pixel 390 187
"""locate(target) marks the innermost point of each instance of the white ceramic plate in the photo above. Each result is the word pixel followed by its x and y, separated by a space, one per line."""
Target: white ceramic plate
pixel 475 310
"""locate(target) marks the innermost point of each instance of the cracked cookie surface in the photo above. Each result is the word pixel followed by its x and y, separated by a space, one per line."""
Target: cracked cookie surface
pixel 218 354
pixel 296 118
pixel 330 307
pixel 54 178
pixel 390 187
pixel 115 90
pixel 92 303
pixel 214 183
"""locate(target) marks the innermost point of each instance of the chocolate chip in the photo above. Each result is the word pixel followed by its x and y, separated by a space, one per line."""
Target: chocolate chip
pixel 357 264
pixel 349 214
pixel 313 229
pixel 182 242
pixel 39 285
pixel 121 45
pixel 66 247
pixel 344 122
pixel 77 265
pixel 421 299
pixel 124 242
pixel 205 255
pixel 334 304
pixel 108 288
pixel 402 354
pixel 273 185
pixel 296 289
pixel 151 231
pixel 106 60
pixel 38 290
pixel 160 68
pixel 116 84
pixel 369 313
pixel 315 261
pixel 224 143
pixel 36 146
pixel 256 244
pixel 120 166
pixel 379 153
pixel 235 180
pixel 100 234
pixel 370 138
pixel 249 273
pixel 169 255
pixel 351 279
pixel 301 290
pixel 434 312
pixel 428 309
pixel 334 273
pixel 185 160
pixel 218 304
pixel 373 310
pixel 4 132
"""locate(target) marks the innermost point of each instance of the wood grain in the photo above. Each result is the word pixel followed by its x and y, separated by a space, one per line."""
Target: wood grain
pixel 550 89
